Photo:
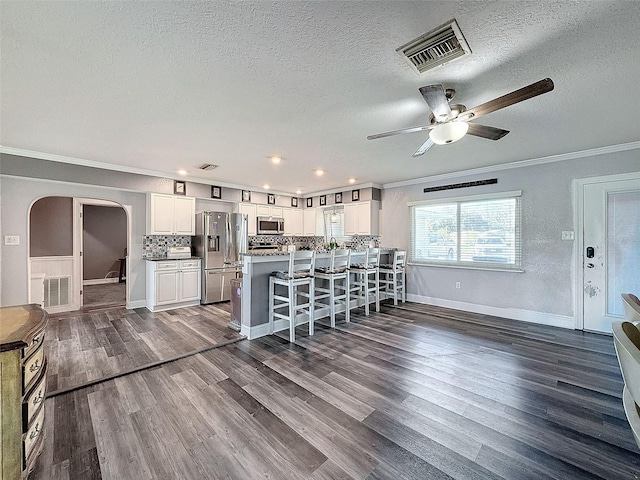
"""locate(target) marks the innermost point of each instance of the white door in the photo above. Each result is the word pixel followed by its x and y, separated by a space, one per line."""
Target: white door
pixel 611 243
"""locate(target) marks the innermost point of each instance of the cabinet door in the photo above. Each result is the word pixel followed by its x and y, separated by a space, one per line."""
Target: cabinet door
pixel 160 214
pixel 263 210
pixel 167 290
pixel 276 212
pixel 309 222
pixel 351 219
pixel 185 215
pixel 296 222
pixel 287 214
pixel 190 283
pixel 250 211
pixel 364 218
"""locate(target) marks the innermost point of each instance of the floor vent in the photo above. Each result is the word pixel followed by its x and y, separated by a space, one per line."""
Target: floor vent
pixel 56 291
pixel 435 48
pixel 207 166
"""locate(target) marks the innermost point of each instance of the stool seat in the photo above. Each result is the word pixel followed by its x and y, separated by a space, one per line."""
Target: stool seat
pixel 392 277
pixel 337 292
pixel 291 293
pixel 367 279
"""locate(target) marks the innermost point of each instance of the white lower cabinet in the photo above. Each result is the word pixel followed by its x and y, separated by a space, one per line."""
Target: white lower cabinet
pixel 172 284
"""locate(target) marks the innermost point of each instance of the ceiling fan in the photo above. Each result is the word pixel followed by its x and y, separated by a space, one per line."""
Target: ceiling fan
pixel 450 122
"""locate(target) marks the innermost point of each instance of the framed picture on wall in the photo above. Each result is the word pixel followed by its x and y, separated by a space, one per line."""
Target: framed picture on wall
pixel 323 200
pixel 179 188
pixel 309 202
pixel 246 195
pixel 338 198
pixel 216 192
pixel 294 201
pixel 355 195
pixel 271 199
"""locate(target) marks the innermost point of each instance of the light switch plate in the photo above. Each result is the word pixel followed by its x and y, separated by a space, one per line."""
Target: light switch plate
pixel 12 239
pixel 568 235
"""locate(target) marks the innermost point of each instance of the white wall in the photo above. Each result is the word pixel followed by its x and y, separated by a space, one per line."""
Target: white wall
pixel 544 293
pixel 17 196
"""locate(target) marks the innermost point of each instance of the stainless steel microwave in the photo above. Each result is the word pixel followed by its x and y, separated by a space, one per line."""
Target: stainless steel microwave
pixel 270 226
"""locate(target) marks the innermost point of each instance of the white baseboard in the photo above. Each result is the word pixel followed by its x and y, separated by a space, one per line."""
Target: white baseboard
pixel 543 318
pixel 136 304
pixel 100 281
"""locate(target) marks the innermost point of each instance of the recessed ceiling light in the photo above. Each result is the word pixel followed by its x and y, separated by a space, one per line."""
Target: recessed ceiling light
pixel 298 192
pixel 352 181
pixel 182 171
pixel 276 159
pixel 319 172
pixel 266 186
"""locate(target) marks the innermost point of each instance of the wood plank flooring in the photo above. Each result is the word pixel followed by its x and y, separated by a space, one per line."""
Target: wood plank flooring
pixel 86 346
pixel 413 392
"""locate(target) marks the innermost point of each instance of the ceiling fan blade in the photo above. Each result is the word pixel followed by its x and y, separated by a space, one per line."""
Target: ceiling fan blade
pixel 423 148
pixel 525 93
pixel 484 131
pixel 404 130
pixel 437 100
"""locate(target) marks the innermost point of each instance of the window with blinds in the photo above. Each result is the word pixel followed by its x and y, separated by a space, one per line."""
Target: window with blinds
pixel 475 231
pixel 334 224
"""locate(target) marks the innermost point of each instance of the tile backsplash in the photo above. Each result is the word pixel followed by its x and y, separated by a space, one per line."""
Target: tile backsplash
pixel 319 243
pixel 158 245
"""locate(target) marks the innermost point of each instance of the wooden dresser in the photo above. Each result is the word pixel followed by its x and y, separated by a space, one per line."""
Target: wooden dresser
pixel 23 378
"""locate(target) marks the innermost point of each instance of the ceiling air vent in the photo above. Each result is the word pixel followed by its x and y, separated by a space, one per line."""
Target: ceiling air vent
pixel 435 48
pixel 207 166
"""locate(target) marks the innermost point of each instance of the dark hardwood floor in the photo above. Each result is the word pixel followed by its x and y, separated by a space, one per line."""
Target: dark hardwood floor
pixel 413 392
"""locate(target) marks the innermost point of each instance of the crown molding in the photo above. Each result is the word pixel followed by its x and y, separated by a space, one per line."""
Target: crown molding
pixel 519 164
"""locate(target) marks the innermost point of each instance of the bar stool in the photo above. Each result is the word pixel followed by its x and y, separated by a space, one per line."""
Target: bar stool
pixel 337 274
pixel 392 277
pixel 298 276
pixel 367 279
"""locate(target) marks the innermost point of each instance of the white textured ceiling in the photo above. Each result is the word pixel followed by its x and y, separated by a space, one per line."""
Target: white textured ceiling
pixel 167 85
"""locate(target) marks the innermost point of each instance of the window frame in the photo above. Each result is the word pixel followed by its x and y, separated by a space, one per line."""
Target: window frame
pixel 516 266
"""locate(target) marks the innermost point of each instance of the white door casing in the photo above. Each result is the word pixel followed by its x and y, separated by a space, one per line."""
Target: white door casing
pixel 609 241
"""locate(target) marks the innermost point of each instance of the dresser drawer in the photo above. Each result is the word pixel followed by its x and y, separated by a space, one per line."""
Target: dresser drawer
pixel 32 367
pixel 31 437
pixel 34 400
pixel 33 346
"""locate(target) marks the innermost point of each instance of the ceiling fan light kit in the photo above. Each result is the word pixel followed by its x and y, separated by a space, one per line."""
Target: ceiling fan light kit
pixel 448 132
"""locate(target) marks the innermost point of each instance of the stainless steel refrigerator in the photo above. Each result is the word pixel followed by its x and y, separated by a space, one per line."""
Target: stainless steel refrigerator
pixel 220 239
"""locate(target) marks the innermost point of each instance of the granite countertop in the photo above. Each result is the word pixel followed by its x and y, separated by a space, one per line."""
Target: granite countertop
pixel 162 259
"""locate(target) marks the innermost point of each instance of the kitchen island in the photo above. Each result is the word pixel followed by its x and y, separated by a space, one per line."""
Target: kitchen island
pixel 256 270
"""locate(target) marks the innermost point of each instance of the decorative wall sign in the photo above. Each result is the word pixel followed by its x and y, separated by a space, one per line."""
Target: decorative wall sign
pixel 216 192
pixel 323 200
pixel 310 202
pixel 355 195
pixel 246 195
pixel 271 199
pixel 338 198
pixel 179 188
pixel 294 201
pixel 489 181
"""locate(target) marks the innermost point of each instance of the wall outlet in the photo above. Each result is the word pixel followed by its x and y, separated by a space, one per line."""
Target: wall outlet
pixel 457 284
pixel 12 239
pixel 568 235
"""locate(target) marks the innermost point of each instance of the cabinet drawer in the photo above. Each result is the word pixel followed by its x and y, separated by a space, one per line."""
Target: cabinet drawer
pixel 31 437
pixel 34 401
pixel 167 265
pixel 32 368
pixel 190 264
pixel 33 346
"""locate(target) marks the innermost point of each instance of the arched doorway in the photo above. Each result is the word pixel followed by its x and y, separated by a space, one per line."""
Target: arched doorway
pixel 78 253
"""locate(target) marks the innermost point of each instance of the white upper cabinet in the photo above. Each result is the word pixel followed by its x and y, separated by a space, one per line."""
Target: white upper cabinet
pixel 293 221
pixel 249 209
pixel 269 211
pixel 310 222
pixel 361 218
pixel 170 214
